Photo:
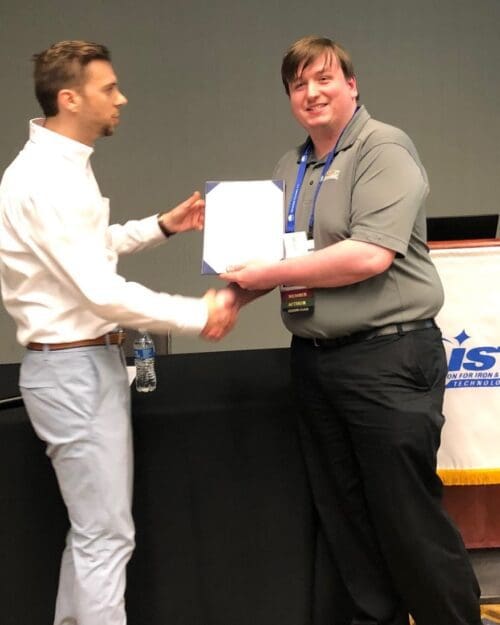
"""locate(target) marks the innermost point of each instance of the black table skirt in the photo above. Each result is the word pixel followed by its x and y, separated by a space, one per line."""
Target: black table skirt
pixel 226 532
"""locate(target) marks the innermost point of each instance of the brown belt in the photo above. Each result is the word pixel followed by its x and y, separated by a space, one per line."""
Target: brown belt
pixel 112 338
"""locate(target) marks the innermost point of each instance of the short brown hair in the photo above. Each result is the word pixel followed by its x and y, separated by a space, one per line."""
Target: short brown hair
pixel 306 50
pixel 61 66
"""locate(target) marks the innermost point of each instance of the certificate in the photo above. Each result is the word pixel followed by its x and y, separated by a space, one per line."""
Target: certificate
pixel 243 222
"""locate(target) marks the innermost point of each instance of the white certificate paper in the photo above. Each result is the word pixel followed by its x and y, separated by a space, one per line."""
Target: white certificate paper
pixel 243 222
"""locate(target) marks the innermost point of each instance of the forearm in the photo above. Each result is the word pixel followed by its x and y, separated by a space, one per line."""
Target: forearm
pixel 135 235
pixel 135 306
pixel 338 265
pixel 242 297
pixel 89 276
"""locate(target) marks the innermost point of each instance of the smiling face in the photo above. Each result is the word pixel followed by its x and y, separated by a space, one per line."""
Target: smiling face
pixel 322 99
pixel 98 101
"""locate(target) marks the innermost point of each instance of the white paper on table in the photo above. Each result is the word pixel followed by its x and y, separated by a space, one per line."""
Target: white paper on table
pixel 243 222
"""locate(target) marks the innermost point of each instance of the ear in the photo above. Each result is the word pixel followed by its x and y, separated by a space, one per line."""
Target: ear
pixel 68 100
pixel 353 85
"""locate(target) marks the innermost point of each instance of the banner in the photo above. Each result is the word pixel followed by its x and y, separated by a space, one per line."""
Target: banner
pixel 469 320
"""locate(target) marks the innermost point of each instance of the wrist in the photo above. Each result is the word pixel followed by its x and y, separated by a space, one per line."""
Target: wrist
pixel 163 227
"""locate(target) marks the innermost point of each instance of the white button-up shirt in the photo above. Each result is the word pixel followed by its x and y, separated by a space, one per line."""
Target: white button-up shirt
pixel 59 254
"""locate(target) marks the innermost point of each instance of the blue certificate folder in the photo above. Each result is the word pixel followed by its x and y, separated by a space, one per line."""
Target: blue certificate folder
pixel 243 222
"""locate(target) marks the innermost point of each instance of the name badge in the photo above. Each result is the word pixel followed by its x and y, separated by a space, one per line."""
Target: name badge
pixel 296 244
pixel 297 299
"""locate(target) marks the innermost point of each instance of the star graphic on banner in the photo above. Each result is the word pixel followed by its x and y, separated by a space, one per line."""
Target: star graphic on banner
pixel 462 337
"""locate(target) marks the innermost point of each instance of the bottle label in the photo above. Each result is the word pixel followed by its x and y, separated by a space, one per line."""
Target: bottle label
pixel 145 353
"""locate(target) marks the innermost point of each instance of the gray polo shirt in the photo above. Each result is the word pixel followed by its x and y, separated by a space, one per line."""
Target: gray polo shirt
pixel 374 191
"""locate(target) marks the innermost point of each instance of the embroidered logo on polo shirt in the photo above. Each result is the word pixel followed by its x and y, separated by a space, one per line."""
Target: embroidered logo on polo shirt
pixel 333 174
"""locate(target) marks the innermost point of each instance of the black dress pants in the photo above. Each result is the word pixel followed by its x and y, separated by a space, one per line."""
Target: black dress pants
pixel 370 430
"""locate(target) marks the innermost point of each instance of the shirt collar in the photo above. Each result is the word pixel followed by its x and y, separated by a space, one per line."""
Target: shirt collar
pixel 353 128
pixel 349 135
pixel 71 149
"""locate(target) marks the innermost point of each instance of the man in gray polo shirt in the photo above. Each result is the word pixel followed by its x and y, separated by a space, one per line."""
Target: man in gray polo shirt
pixel 368 363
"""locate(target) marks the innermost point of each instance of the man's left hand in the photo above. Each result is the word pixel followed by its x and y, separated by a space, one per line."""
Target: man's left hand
pixel 188 215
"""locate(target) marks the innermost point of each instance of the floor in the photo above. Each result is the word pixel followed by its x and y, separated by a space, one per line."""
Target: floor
pixel 490 614
pixel 486 563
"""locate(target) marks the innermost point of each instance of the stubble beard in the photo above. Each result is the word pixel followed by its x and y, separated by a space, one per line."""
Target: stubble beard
pixel 107 131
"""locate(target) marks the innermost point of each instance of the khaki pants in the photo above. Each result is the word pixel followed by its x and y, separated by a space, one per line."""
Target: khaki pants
pixel 78 401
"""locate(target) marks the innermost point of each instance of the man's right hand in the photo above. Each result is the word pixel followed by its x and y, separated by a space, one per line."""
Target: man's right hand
pixel 222 314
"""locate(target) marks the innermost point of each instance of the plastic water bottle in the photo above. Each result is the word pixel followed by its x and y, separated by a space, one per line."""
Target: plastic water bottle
pixel 144 355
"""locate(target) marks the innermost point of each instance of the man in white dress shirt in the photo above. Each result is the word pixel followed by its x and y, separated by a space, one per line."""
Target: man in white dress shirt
pixel 59 283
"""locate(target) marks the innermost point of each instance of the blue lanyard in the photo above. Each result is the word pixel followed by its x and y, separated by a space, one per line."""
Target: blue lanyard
pixel 294 200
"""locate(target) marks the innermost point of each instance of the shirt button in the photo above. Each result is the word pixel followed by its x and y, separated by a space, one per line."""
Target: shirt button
pixel 311 182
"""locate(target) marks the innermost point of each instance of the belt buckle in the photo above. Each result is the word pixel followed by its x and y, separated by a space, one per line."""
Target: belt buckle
pixel 121 336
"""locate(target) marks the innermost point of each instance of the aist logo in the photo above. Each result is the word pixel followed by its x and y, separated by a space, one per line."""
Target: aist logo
pixel 477 366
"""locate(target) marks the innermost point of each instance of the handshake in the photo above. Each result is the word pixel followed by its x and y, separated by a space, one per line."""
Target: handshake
pixel 223 307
